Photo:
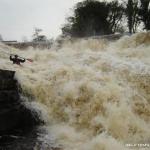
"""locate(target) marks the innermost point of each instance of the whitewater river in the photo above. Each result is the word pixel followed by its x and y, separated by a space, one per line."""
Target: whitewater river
pixel 93 94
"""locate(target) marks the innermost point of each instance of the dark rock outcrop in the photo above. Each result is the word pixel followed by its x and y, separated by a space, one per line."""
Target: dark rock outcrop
pixel 14 116
pixel 20 127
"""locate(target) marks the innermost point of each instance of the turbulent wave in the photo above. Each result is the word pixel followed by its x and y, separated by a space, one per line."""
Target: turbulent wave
pixel 96 93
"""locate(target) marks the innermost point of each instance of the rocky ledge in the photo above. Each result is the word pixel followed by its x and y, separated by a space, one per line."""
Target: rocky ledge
pixel 15 118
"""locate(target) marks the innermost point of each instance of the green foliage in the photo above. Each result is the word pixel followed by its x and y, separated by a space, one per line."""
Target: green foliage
pixel 93 17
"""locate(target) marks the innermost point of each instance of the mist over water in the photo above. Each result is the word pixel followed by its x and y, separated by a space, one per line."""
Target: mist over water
pixel 95 94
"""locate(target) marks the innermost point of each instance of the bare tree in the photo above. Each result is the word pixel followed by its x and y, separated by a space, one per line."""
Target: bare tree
pixel 36 33
pixel 115 16
pixel 132 12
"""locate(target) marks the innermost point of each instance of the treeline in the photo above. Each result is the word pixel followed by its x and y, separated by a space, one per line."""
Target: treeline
pixel 93 17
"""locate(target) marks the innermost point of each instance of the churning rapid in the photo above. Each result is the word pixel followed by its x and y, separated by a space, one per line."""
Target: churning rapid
pixel 96 93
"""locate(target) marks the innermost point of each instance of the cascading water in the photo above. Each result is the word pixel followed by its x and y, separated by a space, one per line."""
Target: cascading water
pixel 96 93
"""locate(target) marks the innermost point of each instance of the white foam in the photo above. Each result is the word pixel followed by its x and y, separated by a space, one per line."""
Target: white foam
pixel 96 93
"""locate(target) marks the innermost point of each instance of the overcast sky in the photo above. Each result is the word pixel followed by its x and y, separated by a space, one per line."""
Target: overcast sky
pixel 19 17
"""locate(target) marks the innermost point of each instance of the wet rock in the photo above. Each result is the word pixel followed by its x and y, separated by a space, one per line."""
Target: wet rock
pixel 20 127
pixel 8 97
pixel 6 74
pixel 8 84
pixel 14 116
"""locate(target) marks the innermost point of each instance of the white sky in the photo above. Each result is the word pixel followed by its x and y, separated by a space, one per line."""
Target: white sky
pixel 19 17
